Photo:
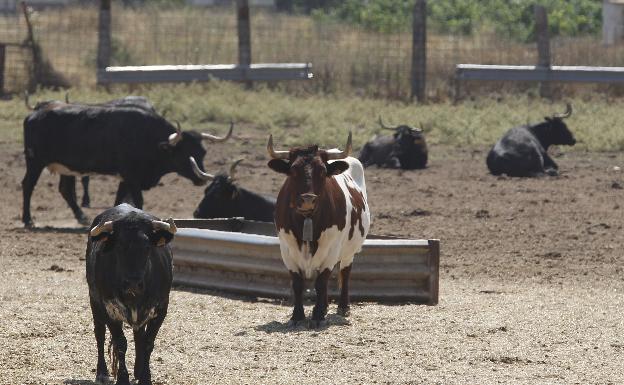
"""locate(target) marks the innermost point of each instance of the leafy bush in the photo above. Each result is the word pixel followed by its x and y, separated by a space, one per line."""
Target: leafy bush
pixel 511 18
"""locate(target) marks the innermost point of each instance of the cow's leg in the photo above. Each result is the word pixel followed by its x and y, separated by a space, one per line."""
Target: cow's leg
pixel 67 188
pixel 99 329
pixel 120 345
pixel 137 197
pixel 320 308
pixel 145 376
pixel 139 348
pixel 550 167
pixel 86 200
pixel 122 191
pixel 343 303
pixel 33 171
pixel 297 286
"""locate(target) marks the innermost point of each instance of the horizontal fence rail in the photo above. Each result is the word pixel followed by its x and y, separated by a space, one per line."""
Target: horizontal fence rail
pixel 198 73
pixel 242 258
pixel 580 74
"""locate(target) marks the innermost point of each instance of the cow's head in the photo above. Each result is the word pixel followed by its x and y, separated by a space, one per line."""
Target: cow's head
pixel 407 137
pixel 221 197
pixel 557 132
pixel 187 153
pixel 129 243
pixel 308 169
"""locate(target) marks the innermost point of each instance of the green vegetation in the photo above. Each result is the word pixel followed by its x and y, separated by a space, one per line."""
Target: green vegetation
pixel 325 119
pixel 513 19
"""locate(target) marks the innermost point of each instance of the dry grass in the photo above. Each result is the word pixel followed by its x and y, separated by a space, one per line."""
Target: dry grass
pixel 346 58
pixel 326 118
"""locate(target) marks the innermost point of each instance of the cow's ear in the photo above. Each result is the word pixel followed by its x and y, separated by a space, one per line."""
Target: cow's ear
pixel 279 165
pixel 160 237
pixel 337 167
pixel 165 146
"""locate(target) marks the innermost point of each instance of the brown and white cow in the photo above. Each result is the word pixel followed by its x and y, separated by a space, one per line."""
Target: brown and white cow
pixel 322 218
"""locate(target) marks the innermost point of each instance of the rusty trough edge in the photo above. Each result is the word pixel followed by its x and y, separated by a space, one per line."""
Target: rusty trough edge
pixel 389 270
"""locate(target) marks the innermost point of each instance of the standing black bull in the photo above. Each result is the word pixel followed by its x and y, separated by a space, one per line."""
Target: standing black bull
pixel 523 150
pixel 138 146
pixel 129 272
pixel 406 149
pixel 224 199
pixel 131 101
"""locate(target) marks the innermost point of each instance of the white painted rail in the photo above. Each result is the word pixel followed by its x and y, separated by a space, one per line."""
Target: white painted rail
pixel 238 256
pixel 581 74
pixel 199 73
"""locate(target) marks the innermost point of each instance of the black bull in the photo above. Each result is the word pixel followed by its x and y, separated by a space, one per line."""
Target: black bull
pixel 405 149
pixel 138 146
pixel 224 199
pixel 129 273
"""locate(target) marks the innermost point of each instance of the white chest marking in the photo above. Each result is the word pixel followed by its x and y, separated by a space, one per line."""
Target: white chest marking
pixel 119 312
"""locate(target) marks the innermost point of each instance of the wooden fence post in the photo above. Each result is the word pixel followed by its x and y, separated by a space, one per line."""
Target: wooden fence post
pixel 419 50
pixel 244 35
pixel 2 66
pixel 543 46
pixel 104 36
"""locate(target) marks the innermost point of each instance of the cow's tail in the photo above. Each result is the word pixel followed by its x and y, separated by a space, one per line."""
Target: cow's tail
pixel 112 355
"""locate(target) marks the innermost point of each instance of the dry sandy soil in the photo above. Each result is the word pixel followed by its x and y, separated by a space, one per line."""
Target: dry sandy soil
pixel 531 284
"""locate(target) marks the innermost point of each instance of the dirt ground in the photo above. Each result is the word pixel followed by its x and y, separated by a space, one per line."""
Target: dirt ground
pixel 531 284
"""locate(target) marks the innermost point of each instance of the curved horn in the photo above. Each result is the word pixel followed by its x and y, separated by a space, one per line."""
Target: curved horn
pixel 168 225
pixel 105 227
pixel 566 113
pixel 232 172
pixel 337 154
pixel 276 154
pixel 199 173
pixel 214 138
pixel 176 137
pixel 26 101
pixel 381 123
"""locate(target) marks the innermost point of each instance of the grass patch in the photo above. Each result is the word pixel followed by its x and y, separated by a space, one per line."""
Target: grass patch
pixel 325 119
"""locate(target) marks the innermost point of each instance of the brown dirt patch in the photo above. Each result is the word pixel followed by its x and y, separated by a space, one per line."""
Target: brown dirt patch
pixel 531 284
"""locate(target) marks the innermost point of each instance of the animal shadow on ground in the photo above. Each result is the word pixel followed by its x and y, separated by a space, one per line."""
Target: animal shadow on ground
pixel 79 382
pixel 331 320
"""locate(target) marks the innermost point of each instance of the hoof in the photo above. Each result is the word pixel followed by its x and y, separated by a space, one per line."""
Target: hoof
pixel 344 311
pixel 124 381
pixel 84 221
pixel 86 204
pixel 29 225
pixel 315 324
pixel 103 379
pixel 552 172
pixel 294 323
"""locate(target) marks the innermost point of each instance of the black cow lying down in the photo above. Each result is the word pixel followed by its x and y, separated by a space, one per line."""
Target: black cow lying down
pixel 129 273
pixel 132 143
pixel 523 150
pixel 406 149
pixel 224 199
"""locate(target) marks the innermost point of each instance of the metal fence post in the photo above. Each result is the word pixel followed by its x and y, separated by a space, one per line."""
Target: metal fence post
pixel 419 50
pixel 543 46
pixel 244 35
pixel 104 36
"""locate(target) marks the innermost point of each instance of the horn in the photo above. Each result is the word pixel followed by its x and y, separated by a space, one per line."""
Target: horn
pixel 26 101
pixel 105 227
pixel 232 172
pixel 199 173
pixel 176 137
pixel 337 154
pixel 566 113
pixel 214 138
pixel 276 154
pixel 381 123
pixel 168 225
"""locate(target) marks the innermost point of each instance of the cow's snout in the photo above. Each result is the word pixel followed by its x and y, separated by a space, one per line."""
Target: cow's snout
pixel 133 286
pixel 306 202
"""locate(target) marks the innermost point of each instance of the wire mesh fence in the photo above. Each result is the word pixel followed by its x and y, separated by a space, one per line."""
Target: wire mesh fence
pixel 345 57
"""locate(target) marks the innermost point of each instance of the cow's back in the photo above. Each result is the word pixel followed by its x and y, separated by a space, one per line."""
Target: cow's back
pixel 517 153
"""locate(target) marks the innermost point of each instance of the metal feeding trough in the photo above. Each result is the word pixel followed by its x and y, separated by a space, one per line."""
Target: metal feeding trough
pixel 243 257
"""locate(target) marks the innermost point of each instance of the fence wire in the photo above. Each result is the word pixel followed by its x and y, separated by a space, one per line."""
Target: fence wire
pixel 345 57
